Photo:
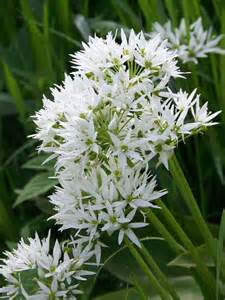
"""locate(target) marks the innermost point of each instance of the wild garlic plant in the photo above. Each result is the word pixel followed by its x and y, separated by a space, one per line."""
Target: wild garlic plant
pixel 114 114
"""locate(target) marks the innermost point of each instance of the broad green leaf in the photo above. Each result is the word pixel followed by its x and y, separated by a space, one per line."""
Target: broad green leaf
pixel 158 249
pixel 38 185
pixel 185 260
pixel 185 286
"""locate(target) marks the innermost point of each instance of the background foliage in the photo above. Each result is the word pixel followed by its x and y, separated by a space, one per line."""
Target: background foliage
pixel 36 38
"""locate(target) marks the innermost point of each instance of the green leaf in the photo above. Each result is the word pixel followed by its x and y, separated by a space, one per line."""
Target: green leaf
pixel 36 163
pixel 128 294
pixel 185 260
pixel 63 10
pixel 7 106
pixel 27 278
pixel 160 251
pixel 17 153
pixel 15 92
pixel 38 185
pixel 40 51
pixel 104 26
pixel 185 286
pixel 82 25
pixel 220 253
pixel 126 14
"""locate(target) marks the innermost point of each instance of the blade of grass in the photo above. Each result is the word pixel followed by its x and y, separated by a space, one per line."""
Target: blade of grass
pixel 185 6
pixel 222 61
pixel 15 91
pixel 172 10
pixel 47 38
pixel 149 10
pixel 61 35
pixel 43 64
pixel 197 10
pixel 63 11
pixel 126 14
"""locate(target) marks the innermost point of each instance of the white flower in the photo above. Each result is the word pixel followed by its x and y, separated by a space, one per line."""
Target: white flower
pixel 190 43
pixel 126 228
pixel 99 201
pixel 53 272
pixel 102 54
pixel 202 115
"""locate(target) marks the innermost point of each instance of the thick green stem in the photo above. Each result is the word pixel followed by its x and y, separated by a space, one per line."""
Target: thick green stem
pixel 156 270
pixel 139 288
pixel 177 248
pixel 191 203
pixel 201 268
pixel 152 279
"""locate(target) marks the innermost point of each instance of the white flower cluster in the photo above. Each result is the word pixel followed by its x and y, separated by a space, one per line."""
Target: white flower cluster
pixel 109 119
pixel 190 43
pixel 53 275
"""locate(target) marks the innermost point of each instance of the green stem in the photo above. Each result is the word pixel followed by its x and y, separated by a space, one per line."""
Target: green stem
pixel 152 279
pixel 203 203
pixel 177 248
pixel 201 268
pixel 159 274
pixel 191 203
pixel 139 288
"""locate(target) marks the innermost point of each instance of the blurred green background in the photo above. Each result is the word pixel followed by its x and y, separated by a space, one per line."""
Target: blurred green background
pixel 36 39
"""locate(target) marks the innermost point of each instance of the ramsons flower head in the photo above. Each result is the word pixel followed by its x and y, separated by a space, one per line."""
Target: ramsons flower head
pixel 32 271
pixel 113 115
pixel 191 43
pixel 106 199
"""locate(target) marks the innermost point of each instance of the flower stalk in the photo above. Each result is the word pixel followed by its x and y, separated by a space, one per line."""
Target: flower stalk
pixel 201 268
pixel 154 220
pixel 191 203
pixel 152 279
pixel 156 270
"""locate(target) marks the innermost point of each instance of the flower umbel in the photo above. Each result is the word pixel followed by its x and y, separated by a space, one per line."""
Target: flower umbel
pixel 54 274
pixel 190 43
